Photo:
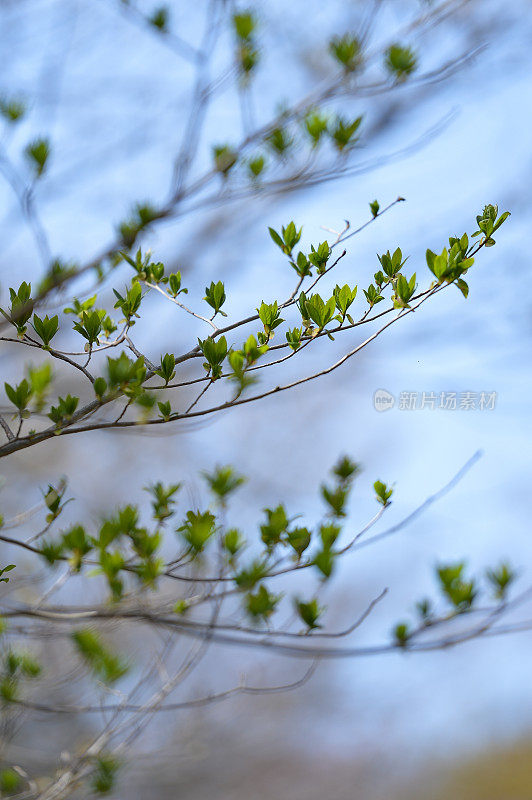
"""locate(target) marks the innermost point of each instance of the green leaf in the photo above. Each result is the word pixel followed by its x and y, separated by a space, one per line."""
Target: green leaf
pixel 215 352
pixel 501 578
pixel 316 125
pixel 76 542
pixel 130 304
pixel 336 499
pixel 64 410
pixel 504 216
pixel 37 152
pixel 248 577
pixel 344 297
pixel 293 337
pixel 276 238
pixel 345 469
pixel 159 18
pixel 374 206
pixel 90 326
pixel 319 311
pixel 342 132
pixel 256 165
pixel 123 372
pixel 270 317
pixel 51 551
pixel 223 481
pixel 197 529
pixel 404 290
pixel 174 282
pixel 163 499
pixel 233 541
pixel 459 592
pixel 279 141
pixel 383 492
pixel 324 561
pixel 100 387
pixel 309 612
pixel 274 527
pixel 299 540
pixel 12 109
pixel 462 285
pixel 46 328
pixel 262 604
pixel 401 634
pixel 104 776
pixel 19 395
pixel 373 295
pixel 106 665
pixel 166 370
pixel 400 61
pixel 320 256
pixel 329 533
pixel 244 24
pixel 21 307
pixel 215 297
pixel 225 158
pixel 346 50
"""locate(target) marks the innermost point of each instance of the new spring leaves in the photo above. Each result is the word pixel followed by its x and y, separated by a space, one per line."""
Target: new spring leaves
pixel 193 551
pixel 138 382
pixel 398 61
pixel 135 379
pixel 126 550
pixel 122 537
pixel 310 126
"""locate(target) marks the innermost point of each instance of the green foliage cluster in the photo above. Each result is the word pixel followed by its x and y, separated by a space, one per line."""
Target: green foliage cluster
pixel 245 30
pixel 317 314
pixel 105 664
pixel 17 667
pixel 459 593
pixel 134 552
